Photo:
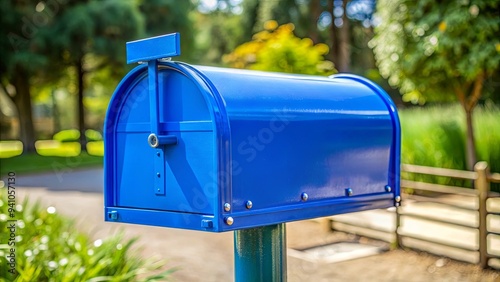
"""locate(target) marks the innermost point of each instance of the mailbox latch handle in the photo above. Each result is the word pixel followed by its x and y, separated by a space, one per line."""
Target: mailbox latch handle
pixel 155 141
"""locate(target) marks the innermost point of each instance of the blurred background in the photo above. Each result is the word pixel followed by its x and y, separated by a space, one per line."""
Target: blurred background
pixel 60 61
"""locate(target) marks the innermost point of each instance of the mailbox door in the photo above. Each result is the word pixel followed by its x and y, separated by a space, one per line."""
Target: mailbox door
pixel 178 177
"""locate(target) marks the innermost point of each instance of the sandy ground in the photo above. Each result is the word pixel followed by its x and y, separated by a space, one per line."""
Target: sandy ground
pixel 201 256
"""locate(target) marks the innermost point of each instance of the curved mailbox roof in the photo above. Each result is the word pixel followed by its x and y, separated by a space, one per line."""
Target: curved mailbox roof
pixel 294 146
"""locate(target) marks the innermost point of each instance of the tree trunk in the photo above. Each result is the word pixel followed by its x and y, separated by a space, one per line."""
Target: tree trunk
pixel 468 104
pixel 334 50
pixel 80 108
pixel 344 55
pixel 250 20
pixel 470 151
pixel 22 100
pixel 315 12
pixel 370 58
pixel 475 95
pixel 56 122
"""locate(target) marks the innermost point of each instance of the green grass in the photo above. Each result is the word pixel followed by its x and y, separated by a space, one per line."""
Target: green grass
pixel 9 149
pixel 36 163
pixel 51 155
pixel 435 136
pixel 64 144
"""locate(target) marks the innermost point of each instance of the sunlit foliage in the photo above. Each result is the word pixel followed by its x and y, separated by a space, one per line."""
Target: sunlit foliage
pixel 48 248
pixel 277 49
pixel 440 51
pixel 435 50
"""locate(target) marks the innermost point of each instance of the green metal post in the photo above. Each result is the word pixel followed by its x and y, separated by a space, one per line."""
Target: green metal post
pixel 260 254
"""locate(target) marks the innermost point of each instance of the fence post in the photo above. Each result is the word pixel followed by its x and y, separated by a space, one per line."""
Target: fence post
pixel 399 242
pixel 483 186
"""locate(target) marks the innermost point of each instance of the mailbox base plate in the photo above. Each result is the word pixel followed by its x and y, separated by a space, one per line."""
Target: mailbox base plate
pixel 252 218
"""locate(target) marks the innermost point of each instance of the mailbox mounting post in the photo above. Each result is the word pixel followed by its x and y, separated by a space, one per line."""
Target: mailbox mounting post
pixel 260 254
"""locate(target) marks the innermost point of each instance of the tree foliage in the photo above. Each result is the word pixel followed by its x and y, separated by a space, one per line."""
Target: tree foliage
pixel 167 16
pixel 435 51
pixel 218 33
pixel 23 47
pixel 47 41
pixel 277 49
pixel 89 36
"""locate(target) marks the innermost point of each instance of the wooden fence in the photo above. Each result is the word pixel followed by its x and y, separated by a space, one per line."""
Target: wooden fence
pixel 482 179
pixel 474 212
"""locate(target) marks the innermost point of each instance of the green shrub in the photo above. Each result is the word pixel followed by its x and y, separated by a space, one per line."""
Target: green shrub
pixel 56 148
pixel 95 148
pixel 69 135
pixel 73 135
pixel 48 248
pixel 93 135
pixel 435 136
pixel 9 149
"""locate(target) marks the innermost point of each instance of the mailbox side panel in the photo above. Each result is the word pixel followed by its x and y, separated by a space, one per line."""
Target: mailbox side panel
pixel 305 147
pixel 395 160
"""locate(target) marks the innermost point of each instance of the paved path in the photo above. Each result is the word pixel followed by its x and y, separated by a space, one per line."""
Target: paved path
pixel 83 180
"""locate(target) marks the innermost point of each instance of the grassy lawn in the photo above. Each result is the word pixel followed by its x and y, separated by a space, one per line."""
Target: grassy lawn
pixel 36 163
pixel 51 155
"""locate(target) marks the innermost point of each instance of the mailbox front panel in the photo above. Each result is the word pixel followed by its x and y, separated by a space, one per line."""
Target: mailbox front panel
pixel 177 177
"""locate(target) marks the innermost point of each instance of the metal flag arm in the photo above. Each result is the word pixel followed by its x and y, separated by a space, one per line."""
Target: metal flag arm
pixel 151 50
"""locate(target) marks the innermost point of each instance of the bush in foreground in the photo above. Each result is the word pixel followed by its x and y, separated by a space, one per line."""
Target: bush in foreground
pixel 48 248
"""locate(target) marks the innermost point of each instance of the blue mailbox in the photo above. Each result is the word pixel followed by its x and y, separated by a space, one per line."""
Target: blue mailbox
pixel 217 149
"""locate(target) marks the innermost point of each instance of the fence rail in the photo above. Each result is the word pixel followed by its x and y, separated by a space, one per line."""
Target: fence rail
pixel 469 206
pixel 438 171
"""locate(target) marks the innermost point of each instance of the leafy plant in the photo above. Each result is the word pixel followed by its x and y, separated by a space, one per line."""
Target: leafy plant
pixel 56 148
pixel 440 51
pixel 277 49
pixel 10 149
pixel 95 148
pixel 48 248
pixel 69 135
pixel 93 135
